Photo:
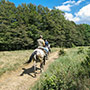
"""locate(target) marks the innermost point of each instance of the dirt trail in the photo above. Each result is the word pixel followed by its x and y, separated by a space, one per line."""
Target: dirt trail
pixel 23 78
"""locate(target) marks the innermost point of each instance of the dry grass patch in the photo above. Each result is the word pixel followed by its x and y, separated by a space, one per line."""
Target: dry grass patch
pixel 11 60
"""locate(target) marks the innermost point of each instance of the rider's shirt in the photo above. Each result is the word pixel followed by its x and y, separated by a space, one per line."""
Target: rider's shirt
pixel 46 43
pixel 41 42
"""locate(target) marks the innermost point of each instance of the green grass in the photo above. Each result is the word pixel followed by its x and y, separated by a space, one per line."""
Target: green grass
pixel 62 74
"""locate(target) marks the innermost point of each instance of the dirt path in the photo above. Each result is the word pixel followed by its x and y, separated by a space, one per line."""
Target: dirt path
pixel 23 78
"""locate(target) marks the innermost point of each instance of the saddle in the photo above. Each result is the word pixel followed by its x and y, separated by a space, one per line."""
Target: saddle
pixel 43 50
pixel 46 53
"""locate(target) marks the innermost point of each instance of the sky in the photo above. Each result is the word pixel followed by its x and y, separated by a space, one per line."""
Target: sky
pixel 75 10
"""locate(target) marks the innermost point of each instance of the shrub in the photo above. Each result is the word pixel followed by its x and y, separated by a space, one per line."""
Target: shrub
pixel 80 50
pixel 86 63
pixel 66 73
pixel 62 52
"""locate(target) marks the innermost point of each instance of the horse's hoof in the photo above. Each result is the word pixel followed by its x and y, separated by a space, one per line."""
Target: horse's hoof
pixel 42 71
pixel 34 75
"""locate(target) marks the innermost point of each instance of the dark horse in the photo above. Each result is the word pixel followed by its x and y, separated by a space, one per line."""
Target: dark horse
pixel 39 55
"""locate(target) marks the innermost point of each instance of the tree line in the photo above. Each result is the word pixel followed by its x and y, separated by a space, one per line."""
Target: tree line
pixel 21 26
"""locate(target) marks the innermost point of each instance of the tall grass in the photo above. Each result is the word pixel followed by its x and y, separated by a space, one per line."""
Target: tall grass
pixel 63 74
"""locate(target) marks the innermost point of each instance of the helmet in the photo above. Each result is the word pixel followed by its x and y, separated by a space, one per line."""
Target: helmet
pixel 41 36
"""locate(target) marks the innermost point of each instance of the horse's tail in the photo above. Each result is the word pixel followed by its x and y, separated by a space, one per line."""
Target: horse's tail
pixel 32 55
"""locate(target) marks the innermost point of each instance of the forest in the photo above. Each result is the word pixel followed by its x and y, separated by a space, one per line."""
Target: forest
pixel 21 26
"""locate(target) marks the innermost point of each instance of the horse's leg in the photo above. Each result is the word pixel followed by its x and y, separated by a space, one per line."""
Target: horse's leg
pixel 41 64
pixel 35 68
pixel 44 60
pixel 41 67
pixel 47 56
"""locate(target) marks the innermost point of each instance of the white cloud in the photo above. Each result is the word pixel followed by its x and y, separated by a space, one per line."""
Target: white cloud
pixel 83 16
pixel 64 7
pixel 69 2
pixel 70 17
pixel 73 2
pixel 84 12
pixel 78 2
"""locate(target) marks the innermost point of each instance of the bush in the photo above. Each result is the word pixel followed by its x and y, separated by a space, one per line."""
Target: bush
pixel 86 63
pixel 62 52
pixel 80 50
pixel 66 73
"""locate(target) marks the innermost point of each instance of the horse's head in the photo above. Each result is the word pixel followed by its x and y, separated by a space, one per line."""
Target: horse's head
pixel 49 48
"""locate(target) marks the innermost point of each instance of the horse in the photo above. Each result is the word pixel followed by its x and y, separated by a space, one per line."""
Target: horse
pixel 39 55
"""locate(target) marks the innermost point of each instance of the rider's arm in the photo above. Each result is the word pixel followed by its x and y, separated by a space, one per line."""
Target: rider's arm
pixel 43 43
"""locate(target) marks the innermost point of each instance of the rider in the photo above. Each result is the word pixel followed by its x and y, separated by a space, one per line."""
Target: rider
pixel 47 45
pixel 41 45
pixel 41 42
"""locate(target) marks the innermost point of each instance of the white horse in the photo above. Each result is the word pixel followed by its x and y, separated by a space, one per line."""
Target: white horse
pixel 39 55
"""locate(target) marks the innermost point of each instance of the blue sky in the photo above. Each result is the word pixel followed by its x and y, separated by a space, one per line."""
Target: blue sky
pixel 75 10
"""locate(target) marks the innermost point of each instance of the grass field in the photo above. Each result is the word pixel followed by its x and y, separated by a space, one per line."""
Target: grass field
pixel 12 60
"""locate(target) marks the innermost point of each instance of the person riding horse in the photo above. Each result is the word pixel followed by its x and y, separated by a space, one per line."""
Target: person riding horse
pixel 47 45
pixel 39 55
pixel 42 45
pixel 41 42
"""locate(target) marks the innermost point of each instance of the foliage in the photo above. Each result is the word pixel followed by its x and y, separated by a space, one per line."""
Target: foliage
pixel 80 50
pixel 66 73
pixel 62 52
pixel 21 26
pixel 86 64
